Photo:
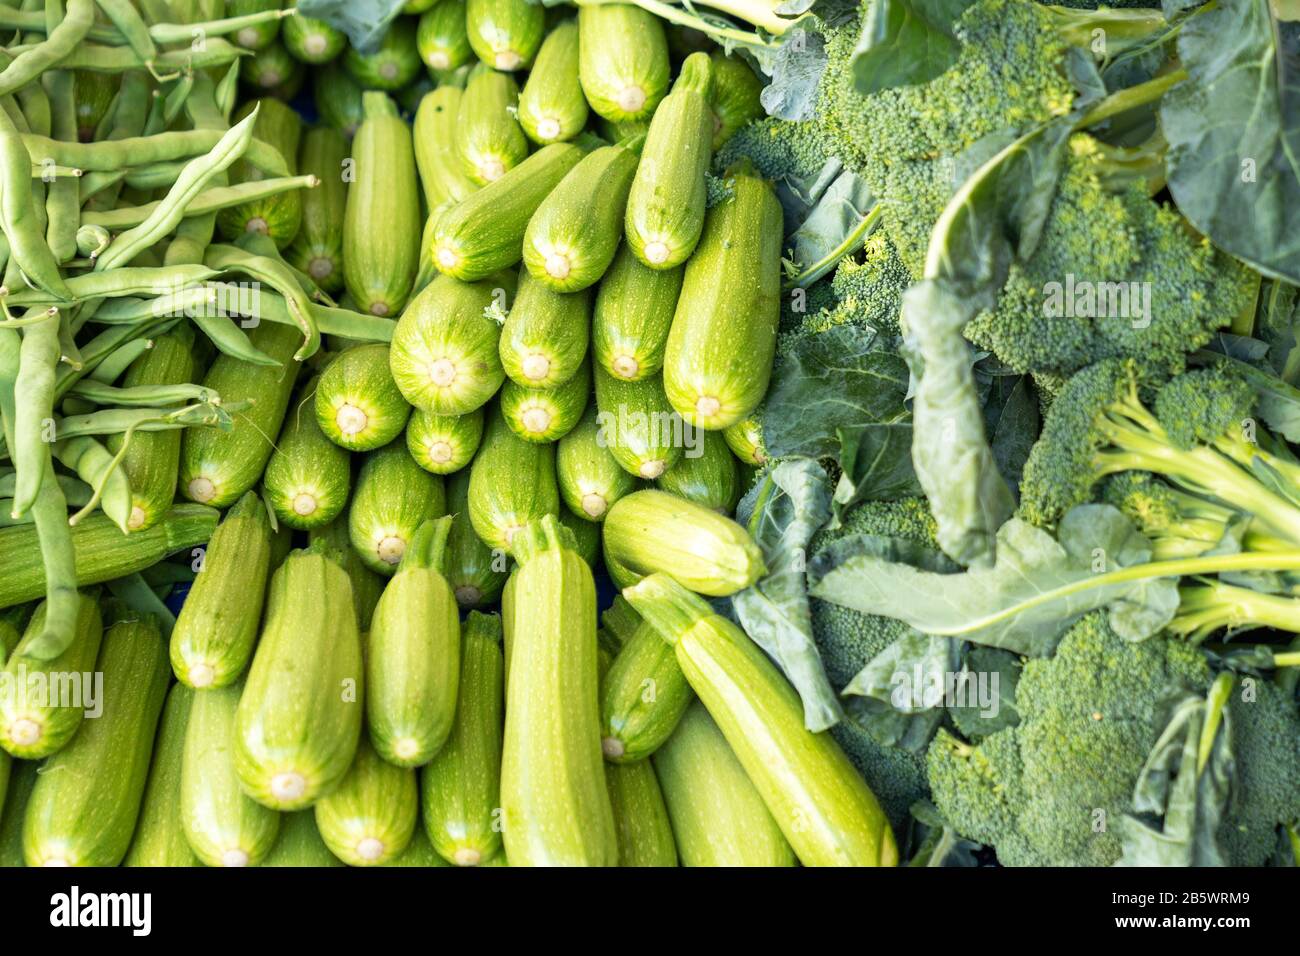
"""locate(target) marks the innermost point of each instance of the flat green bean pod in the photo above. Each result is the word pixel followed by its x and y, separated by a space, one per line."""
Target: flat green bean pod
pixel 61 42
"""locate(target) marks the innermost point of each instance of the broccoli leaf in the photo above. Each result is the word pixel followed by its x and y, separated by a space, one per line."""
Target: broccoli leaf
pixel 905 42
pixel 1234 132
pixel 937 843
pixel 875 465
pixel 899 693
pixel 796 69
pixel 1012 419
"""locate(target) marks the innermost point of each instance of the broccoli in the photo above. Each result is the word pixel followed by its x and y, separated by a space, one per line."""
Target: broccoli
pixel 778 149
pixel 868 291
pixel 1265 728
pixel 1178 523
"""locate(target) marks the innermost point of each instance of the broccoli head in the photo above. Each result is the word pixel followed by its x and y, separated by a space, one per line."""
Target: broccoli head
pixel 1265 728
pixel 778 149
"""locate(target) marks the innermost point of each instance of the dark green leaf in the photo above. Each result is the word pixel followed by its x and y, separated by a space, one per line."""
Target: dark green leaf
pixel 876 465
pixel 796 69
pixel 905 42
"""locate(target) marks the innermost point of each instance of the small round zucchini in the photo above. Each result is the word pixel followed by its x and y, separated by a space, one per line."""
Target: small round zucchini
pixel 552 108
pixel 505 33
pixel 546 414
pixel 393 497
pixel 735 96
pixel 591 480
pixel 443 444
pixel 338 99
pixel 745 438
pixel 393 65
pixel 358 405
pixel 512 482
pixel 308 477
pixel 310 40
pixel 272 72
pixel 623 60
pixel 544 338
pixel 369 818
pixel 441 38
pixel 707 474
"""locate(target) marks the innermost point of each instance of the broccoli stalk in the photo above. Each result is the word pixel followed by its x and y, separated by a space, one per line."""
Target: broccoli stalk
pixel 761 14
pixel 1210 606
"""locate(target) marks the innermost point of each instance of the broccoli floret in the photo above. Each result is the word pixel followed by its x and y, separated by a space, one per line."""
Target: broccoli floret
pixel 1048 791
pixel 778 149
pixel 1203 406
pixel 1266 750
pixel 895 775
pixel 869 289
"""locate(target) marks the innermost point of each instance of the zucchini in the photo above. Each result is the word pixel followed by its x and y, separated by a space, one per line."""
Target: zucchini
pixel 632 315
pixel 224 826
pixel 718 816
pixel 572 238
pixel 393 497
pixel 381 223
pixel 460 788
pixel 259 35
pixel 47 700
pixel 619 622
pixel 586 536
pixel 367 586
pixel 83 809
pixel 445 354
pixel 617 132
pixel 638 426
pixel 152 459
pixel 817 798
pixel 719 355
pixel 745 439
pixel 277 216
pixel 419 853
pixel 708 475
pixel 437 155
pixel 308 476
pixel 444 444
pixel 649 531
pixel 665 207
pixel 217 625
pixel 441 38
pixel 413 654
pixel 734 96
pixel 491 141
pixel 393 64
pixel 318 250
pixel 546 414
pixel 160 831
pixel 21 781
pixel 13 621
pixel 590 479
pixel 309 40
pixel 623 60
pixel 505 34
pixel 484 233
pixel 272 72
pixel 644 696
pixel 645 835
pixel 358 405
pixel 511 483
pixel 338 99
pixel 475 572
pixel 217 466
pixel 416 7
pixel 300 843
pixel 369 818
pixel 556 809
pixel 552 108
pixel 299 719
pixel 544 338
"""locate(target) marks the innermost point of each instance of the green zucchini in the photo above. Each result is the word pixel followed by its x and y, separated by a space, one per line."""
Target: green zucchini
pixel 445 353
pixel 505 34
pixel 546 414
pixel 573 236
pixel 734 96
pixel 437 155
pixel 308 476
pixel 300 843
pixel 460 788
pixel 475 572
pixel 817 798
pixel 338 99
pixel 392 65
pixel 277 216
pixel 152 459
pixel 413 654
pixel 632 315
pixel 544 338
pixel 217 466
pixel 586 536
pixel 556 809
pixel 490 139
pixel 619 622
pixel 83 809
pixel 718 816
pixel 358 405
pixel 224 826
pixel 272 72
pixel 719 355
pixel 381 224
pixel 415 7
pixel 47 699
pixel 369 818
pixel 511 483
pixel 13 621
pixel 639 427
pixel 443 444
pixel 393 497
pixel 617 132
pixel 649 531
pixel 95 97
pixel 708 475
pixel 313 41
pixel 441 38
pixel 367 586
pixel 745 439
pixel 318 250
pixel 644 696
pixel 623 60
pixel 552 108
pixel 645 835
pixel 160 832
pixel 21 782
pixel 419 853
pixel 217 625
pixel 259 35
pixel 484 233
pixel 299 719
pixel 665 207
pixel 590 478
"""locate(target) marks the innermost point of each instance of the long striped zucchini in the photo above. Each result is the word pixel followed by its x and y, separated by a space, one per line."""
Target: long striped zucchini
pixel 441 38
pixel 358 405
pixel 224 826
pixel 511 483
pixel 817 798
pixel 490 139
pixel 544 338
pixel 460 788
pixel 217 466
pixel 393 497
pixel 300 843
pixel 644 696
pixel 338 98
pixel 367 586
pixel 590 478
pixel 436 134
pixel 623 61
pixel 556 808
pixel 392 65
pixel 505 33
pixel 546 414
pixel 632 316
pixel 708 475
pixel 637 424
pixel 552 108
pixel 83 809
pixel 160 831
pixel 299 719
pixel 318 250
pixel 217 625
pixel 475 572
pixel 444 444
pixel 370 817
pixel 308 476
pixel 277 216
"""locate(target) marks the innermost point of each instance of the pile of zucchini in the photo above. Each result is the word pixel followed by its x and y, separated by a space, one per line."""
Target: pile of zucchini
pixel 383 396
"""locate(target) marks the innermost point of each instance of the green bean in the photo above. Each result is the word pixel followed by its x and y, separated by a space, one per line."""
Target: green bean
pixel 188 301
pixel 34 21
pixel 114 366
pixel 63 195
pixel 174 102
pixel 124 281
pixel 73 488
pixel 127 421
pixel 168 33
pixel 129 113
pixel 35 104
pixel 48 172
pixel 210 200
pixel 231 340
pixel 99 348
pixel 57 47
pixel 343 323
pixel 136 151
pixel 260 244
pixel 143 396
pixel 95 465
pixel 194 234
pixel 92 240
pixel 94 58
pixel 69 354
pixel 134 30
pixel 279 276
pixel 19 219
pixel 34 386
pixel 9 106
